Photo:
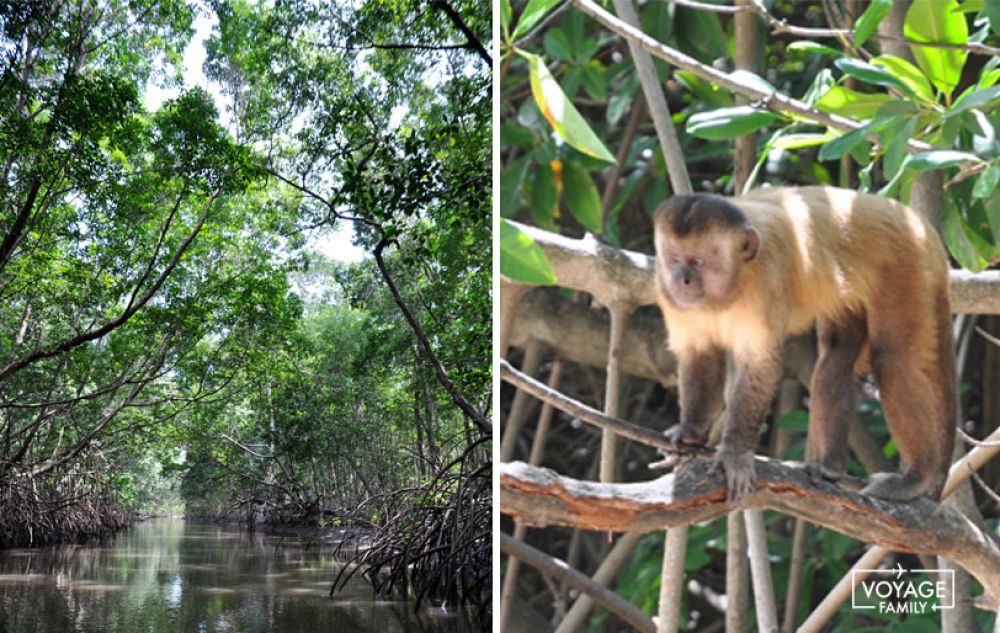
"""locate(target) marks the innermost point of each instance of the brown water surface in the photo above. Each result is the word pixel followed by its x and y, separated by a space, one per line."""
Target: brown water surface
pixel 170 575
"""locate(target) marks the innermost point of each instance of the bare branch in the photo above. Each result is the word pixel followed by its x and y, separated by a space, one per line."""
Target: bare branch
pixel 634 432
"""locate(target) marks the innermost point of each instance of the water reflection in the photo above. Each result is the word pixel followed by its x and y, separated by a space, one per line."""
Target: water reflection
pixel 169 575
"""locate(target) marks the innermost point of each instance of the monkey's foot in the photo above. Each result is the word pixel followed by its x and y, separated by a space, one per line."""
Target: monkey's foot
pixel 741 479
pixel 905 487
pixel 683 435
pixel 819 472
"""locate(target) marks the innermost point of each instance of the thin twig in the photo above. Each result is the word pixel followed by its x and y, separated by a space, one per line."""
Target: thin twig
pixel 986 488
pixel 592 416
pixel 975 442
pixel 987 336
pixel 779 26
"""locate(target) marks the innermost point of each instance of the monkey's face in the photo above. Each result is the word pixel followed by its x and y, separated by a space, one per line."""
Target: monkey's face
pixel 699 271
pixel 702 242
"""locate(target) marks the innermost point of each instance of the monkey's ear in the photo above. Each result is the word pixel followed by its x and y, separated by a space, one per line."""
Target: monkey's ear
pixel 751 242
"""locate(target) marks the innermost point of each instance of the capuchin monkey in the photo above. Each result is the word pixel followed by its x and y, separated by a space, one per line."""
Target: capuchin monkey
pixel 744 274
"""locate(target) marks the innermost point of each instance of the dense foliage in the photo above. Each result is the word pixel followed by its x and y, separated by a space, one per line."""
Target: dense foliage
pixel 165 341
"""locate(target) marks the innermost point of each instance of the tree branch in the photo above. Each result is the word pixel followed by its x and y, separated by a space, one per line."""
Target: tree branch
pixel 477 417
pixel 695 493
pixel 473 41
pixel 592 416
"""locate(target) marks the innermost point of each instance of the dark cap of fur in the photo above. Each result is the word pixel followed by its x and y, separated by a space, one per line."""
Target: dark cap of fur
pixel 697 212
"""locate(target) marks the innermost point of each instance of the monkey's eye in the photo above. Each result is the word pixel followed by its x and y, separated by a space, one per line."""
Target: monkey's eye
pixel 697 262
pixel 674 259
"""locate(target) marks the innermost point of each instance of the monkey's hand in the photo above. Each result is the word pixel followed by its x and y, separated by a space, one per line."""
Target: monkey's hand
pixel 685 435
pixel 741 479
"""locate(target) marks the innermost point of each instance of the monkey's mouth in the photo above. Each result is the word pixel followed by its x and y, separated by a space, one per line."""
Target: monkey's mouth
pixel 686 296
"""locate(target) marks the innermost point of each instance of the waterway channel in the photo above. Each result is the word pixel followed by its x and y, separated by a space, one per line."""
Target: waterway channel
pixel 170 575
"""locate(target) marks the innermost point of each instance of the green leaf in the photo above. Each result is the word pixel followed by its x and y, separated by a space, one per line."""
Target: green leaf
pixel 959 245
pixel 747 77
pixel 989 74
pixel 700 32
pixel 977 227
pixel 705 91
pixel 505 15
pixel 938 21
pixel 819 86
pixel 796 420
pixel 657 19
pixel 544 197
pixel 870 74
pixel 908 74
pixel 521 259
pixel 594 80
pixel 582 198
pixel 870 19
pixel 511 181
pixel 798 141
pixel 532 15
pixel 618 105
pixel 813 47
pixel 696 558
pixel 729 123
pixel 557 45
pixel 851 103
pixel 560 112
pixel 895 109
pixel 844 143
pixel 987 181
pixel 992 207
pixel 974 99
pixel 939 159
pixel 587 49
pixel 512 134
pixel 894 139
pixel 992 11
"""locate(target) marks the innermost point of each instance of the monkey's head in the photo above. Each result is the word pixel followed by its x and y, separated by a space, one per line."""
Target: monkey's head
pixel 702 242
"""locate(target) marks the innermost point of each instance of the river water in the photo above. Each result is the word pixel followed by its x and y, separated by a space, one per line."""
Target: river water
pixel 170 575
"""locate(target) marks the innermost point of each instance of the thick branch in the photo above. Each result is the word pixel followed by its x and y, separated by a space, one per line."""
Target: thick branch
pixel 578 333
pixel 477 417
pixel 618 275
pixel 693 494
pixel 473 41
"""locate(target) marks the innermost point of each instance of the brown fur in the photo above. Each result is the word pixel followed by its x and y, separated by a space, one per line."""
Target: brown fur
pixel 870 273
